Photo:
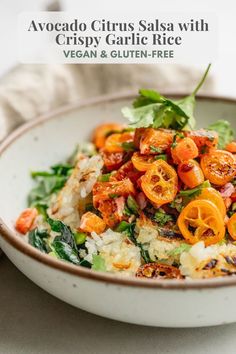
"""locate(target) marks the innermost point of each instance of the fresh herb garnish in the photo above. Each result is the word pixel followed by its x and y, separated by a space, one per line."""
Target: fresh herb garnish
pixel 161 157
pixel 194 192
pixel 114 195
pixel 177 135
pixel 128 230
pixel 156 149
pixel 153 109
pixel 48 182
pixel 225 132
pixel 128 146
pixel 104 178
pixel 132 205
pixel 162 218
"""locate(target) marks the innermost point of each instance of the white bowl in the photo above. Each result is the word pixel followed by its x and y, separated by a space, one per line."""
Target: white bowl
pixel 166 303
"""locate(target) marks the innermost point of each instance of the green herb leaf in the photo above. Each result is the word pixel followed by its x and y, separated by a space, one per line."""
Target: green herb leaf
pixel 126 228
pixel 132 205
pixel 48 182
pixel 156 149
pixel 98 263
pixel 104 178
pixel 153 109
pixel 128 146
pixel 194 192
pixel 161 157
pixel 225 132
pixel 37 239
pixel 162 218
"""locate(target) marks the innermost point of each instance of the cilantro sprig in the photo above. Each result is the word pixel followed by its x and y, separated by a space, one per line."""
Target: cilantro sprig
pixel 152 109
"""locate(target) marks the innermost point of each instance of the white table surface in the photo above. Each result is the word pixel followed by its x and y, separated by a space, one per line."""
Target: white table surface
pixel 34 322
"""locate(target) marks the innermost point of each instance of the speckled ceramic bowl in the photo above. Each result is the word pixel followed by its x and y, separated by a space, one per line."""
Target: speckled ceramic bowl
pixel 167 303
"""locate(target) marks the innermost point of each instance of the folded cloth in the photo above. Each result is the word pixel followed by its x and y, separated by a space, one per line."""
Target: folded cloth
pixel 28 91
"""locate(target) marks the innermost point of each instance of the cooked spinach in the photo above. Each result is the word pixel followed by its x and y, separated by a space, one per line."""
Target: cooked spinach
pixel 37 239
pixel 64 251
pixel 65 233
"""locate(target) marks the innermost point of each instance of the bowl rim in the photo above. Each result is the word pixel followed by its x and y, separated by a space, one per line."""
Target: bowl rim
pixel 20 245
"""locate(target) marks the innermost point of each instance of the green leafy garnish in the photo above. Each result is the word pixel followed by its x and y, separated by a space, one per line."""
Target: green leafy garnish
pixel 156 149
pixel 48 182
pixel 105 177
pixel 161 217
pixel 153 109
pixel 128 146
pixel 184 247
pixel 177 135
pixel 132 205
pixel 224 130
pixel 114 195
pixel 37 239
pixel 98 263
pixel 194 192
pixel 161 157
pixel 126 228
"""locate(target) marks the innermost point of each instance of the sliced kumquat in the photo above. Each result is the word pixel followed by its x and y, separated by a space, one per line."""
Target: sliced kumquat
pixel 231 147
pixel 142 162
pixel 231 226
pixel 158 271
pixel 200 220
pixel 160 183
pixel 114 142
pixel 100 133
pixel 219 167
pixel 215 197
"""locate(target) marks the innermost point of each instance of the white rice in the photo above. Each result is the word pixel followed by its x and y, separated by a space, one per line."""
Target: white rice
pixel 193 263
pixel 68 205
pixel 120 255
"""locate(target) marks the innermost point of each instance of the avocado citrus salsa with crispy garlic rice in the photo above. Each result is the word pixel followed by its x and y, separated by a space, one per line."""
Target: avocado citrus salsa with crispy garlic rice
pixel 155 198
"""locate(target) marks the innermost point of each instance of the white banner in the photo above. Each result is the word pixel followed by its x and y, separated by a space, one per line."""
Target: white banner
pixel 61 37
